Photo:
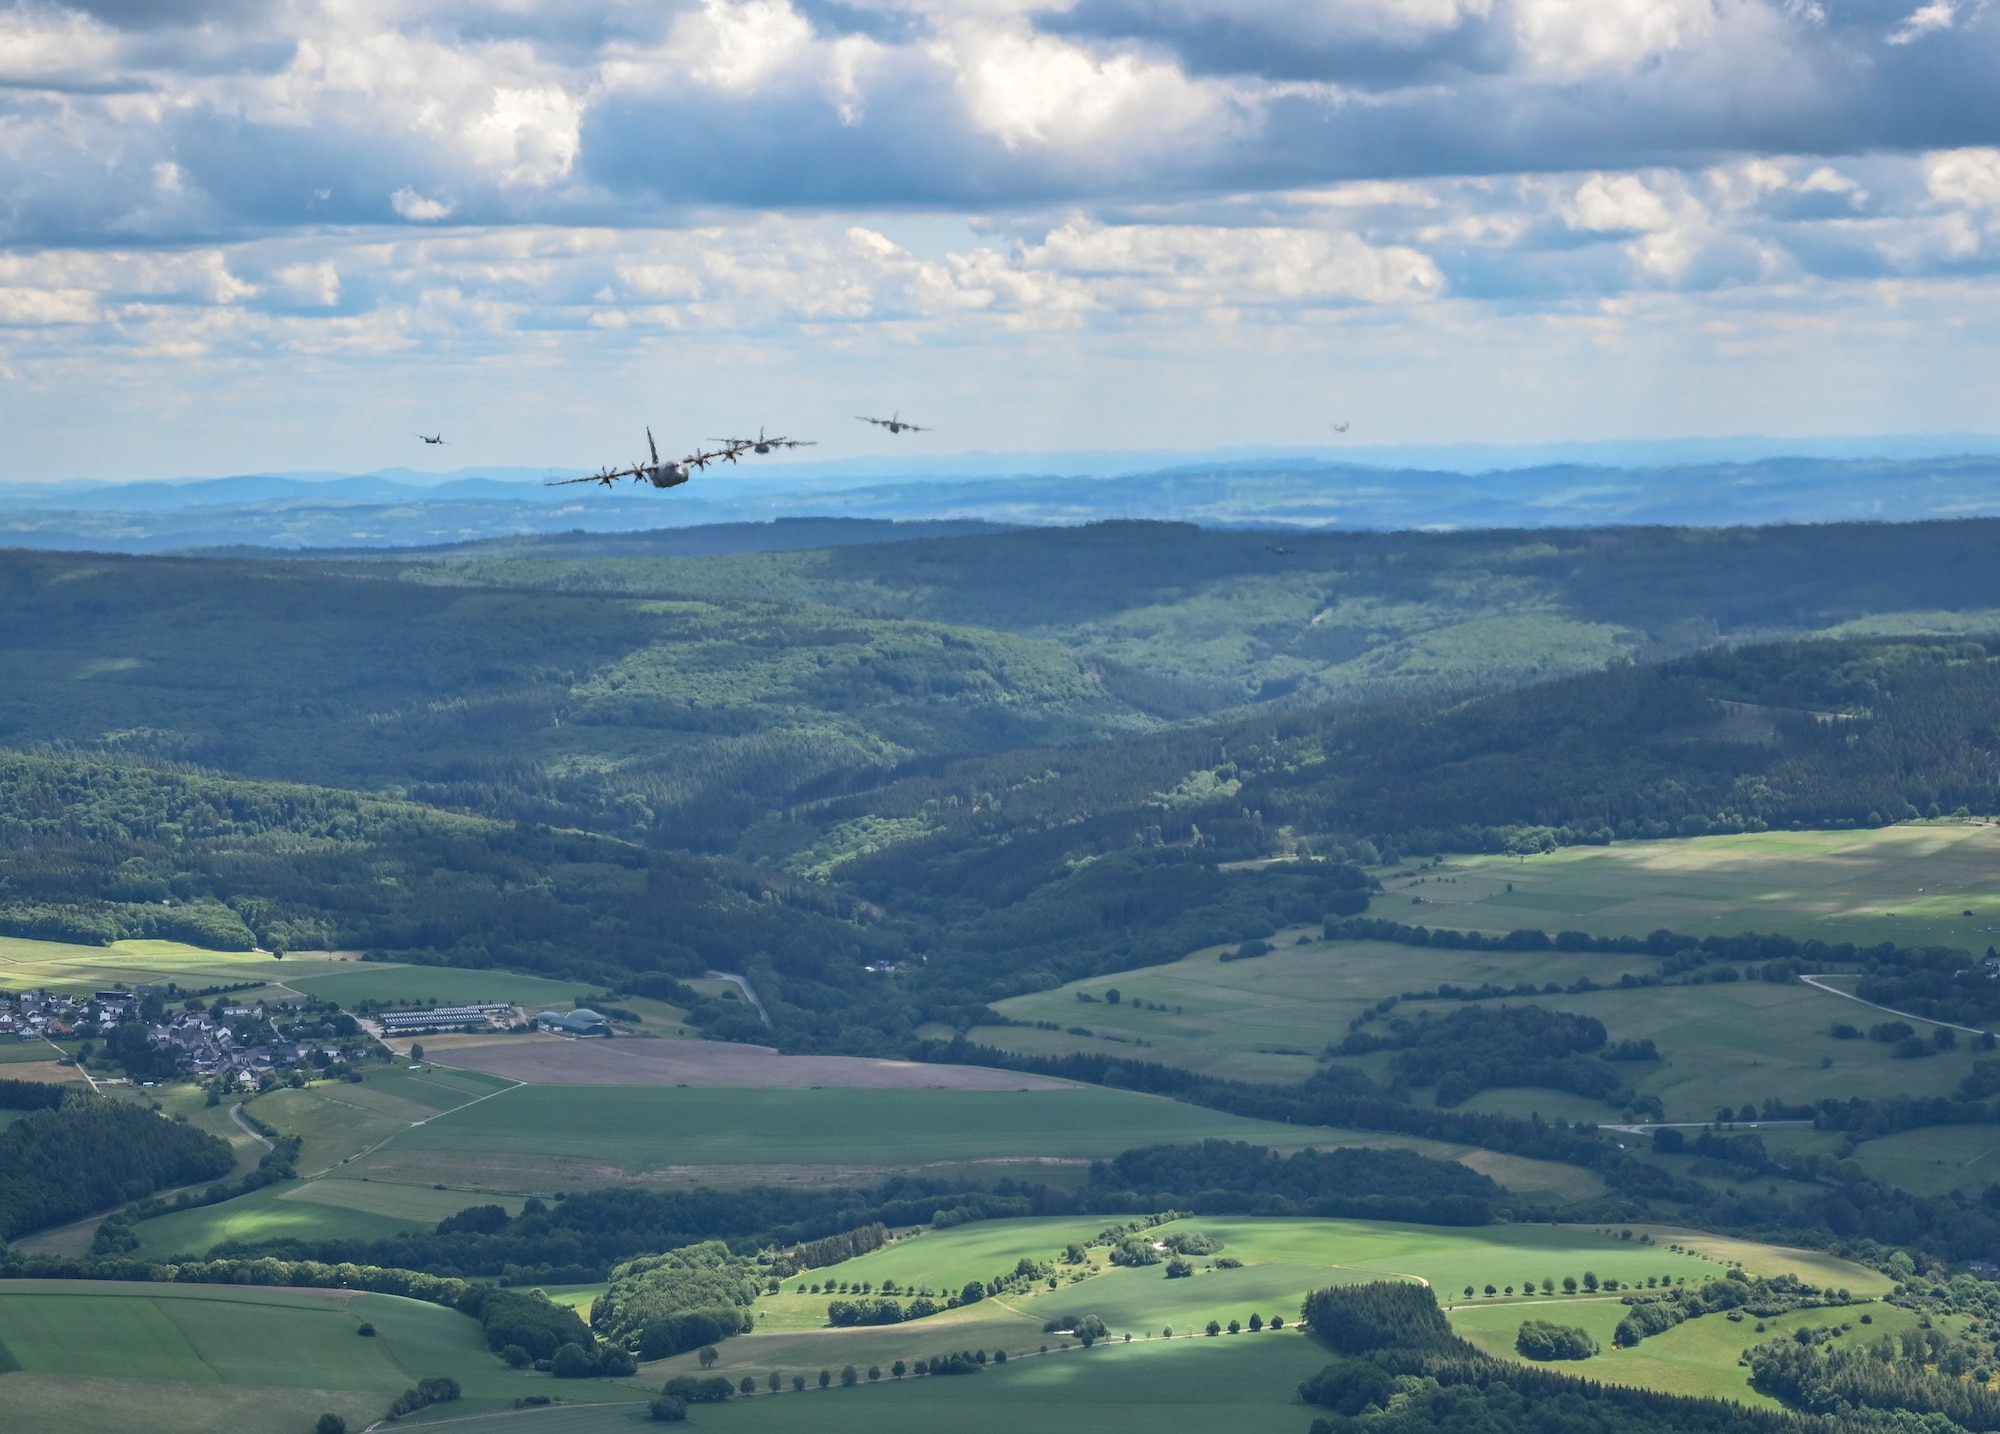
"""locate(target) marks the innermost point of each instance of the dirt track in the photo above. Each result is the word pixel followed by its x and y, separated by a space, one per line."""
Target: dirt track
pixel 641 1062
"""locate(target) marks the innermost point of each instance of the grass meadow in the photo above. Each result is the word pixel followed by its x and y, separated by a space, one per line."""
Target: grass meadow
pixel 640 1129
pixel 1698 1357
pixel 201 1353
pixel 1283 1259
pixel 1722 1044
pixel 1910 883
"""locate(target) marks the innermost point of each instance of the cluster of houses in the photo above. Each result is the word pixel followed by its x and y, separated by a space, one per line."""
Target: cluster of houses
pixel 40 1015
pixel 245 1041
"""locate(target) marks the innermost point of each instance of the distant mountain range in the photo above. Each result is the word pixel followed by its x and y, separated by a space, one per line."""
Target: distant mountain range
pixel 404 508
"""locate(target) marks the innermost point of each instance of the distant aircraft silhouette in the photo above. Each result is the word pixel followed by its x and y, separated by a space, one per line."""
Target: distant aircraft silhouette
pixel 894 423
pixel 428 439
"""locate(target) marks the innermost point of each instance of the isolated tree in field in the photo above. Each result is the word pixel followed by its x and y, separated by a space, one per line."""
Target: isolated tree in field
pixel 1277 1321
pixel 1112 996
pixel 330 1424
pixel 1590 1281
pixel 1256 1322
pixel 1490 1291
pixel 898 1369
pixel 776 1382
pixel 416 1053
pixel 874 1372
pixel 748 1386
pixel 1089 1330
pixel 1235 1327
pixel 1569 1284
pixel 708 1356
pixel 849 1377
pixel 1548 1285
pixel 1214 1329
pixel 798 1384
pixel 825 1378
pixel 669 1410
pixel 1468 1291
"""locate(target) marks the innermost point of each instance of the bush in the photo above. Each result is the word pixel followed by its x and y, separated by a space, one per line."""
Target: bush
pixel 516 1357
pixel 669 1410
pixel 330 1424
pixel 439 1389
pixel 699 1389
pixel 1539 1339
pixel 1179 1269
pixel 849 1377
pixel 572 1361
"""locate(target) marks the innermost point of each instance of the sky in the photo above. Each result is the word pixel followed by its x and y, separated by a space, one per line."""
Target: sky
pixel 240 236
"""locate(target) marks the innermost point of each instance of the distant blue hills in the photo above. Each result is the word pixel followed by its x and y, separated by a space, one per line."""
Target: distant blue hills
pixel 1452 488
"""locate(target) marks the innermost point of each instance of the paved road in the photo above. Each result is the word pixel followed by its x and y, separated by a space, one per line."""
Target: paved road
pixel 1818 983
pixel 236 1114
pixel 743 986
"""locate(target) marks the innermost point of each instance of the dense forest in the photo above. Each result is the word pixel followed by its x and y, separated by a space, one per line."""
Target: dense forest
pixel 89 1153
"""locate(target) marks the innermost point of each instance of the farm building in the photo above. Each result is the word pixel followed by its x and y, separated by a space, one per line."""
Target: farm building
pixel 397 1023
pixel 580 1022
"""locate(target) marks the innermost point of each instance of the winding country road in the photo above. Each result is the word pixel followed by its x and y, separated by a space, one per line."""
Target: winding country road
pixel 743 986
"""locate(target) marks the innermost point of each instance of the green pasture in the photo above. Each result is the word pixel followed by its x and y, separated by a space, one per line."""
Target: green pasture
pixel 329 1209
pixel 15 1051
pixel 1722 1044
pixel 335 1120
pixel 1935 1161
pixel 1248 1383
pixel 374 1153
pixel 1283 1260
pixel 124 1341
pixel 1909 883
pixel 64 966
pixel 641 1129
pixel 1265 1019
pixel 1698 1357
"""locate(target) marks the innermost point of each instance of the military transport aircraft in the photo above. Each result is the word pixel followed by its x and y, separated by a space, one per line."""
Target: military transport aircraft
pixel 428 439
pixel 663 475
pixel 761 444
pixel 894 423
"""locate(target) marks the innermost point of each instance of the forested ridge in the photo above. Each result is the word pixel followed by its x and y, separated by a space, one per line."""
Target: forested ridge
pixel 1007 874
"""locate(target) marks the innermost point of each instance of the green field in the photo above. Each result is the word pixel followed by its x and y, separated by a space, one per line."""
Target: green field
pixel 351 983
pixel 1722 1044
pixel 330 1209
pixel 1283 1260
pixel 1698 1357
pixel 642 1129
pixel 197 1351
pixel 376 1153
pixel 61 966
pixel 1909 883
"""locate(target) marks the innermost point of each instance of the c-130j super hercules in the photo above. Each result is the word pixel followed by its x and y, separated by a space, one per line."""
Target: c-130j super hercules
pixel 673 474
